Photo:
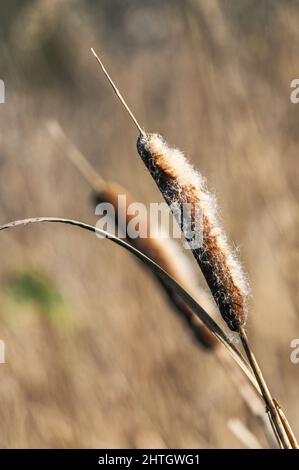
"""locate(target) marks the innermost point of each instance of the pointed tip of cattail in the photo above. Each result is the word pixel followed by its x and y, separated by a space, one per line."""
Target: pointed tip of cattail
pixel 117 92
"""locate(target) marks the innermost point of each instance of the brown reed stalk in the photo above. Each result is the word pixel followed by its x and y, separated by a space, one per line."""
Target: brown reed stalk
pixel 164 253
pixel 179 183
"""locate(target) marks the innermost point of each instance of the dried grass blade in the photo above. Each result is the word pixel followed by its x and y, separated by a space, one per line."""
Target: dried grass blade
pixel 172 284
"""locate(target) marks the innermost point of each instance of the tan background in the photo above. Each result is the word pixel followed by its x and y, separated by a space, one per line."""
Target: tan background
pixel 95 356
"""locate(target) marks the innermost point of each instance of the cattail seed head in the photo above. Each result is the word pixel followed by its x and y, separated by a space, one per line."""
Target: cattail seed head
pixel 180 183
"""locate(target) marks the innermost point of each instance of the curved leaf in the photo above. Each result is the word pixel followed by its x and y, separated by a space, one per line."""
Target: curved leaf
pixel 171 283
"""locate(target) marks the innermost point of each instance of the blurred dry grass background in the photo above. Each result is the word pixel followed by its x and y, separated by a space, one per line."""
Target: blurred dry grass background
pixel 95 356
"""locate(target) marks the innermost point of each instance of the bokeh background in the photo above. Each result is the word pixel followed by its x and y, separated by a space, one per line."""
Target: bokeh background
pixel 95 356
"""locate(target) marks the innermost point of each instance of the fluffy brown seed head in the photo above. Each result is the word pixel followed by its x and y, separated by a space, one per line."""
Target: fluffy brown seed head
pixel 180 183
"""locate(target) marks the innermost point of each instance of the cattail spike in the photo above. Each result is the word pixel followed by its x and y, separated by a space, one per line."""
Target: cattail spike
pixel 117 92
pixel 179 183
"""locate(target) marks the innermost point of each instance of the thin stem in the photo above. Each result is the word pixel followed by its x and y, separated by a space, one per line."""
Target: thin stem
pixel 274 431
pixel 271 408
pixel 117 92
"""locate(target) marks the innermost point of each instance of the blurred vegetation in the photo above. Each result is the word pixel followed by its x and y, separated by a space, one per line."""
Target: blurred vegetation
pixel 213 77
pixel 34 288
